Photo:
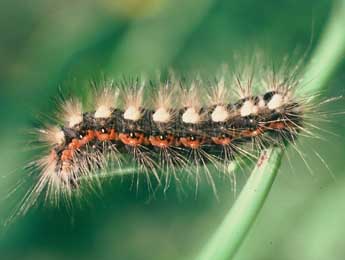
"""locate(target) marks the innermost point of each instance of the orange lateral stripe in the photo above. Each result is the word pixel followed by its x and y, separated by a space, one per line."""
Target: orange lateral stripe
pixel 221 140
pixel 111 136
pixel 67 155
pixel 251 133
pixel 193 144
pixel 138 139
pixel 278 125
pixel 162 143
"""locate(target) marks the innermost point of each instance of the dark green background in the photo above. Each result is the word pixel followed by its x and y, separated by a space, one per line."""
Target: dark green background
pixel 44 44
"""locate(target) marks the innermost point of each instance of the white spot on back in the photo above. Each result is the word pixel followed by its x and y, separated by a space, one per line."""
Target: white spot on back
pixel 74 120
pixel 248 108
pixel 103 112
pixel 191 116
pixel 255 110
pixel 161 115
pixel 219 114
pixel 287 97
pixel 134 102
pixel 276 101
pixel 132 113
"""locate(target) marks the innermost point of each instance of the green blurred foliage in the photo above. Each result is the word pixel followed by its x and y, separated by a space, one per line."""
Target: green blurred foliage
pixel 45 44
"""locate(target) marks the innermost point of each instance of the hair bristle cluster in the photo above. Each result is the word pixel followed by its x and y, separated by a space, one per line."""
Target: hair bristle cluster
pixel 183 125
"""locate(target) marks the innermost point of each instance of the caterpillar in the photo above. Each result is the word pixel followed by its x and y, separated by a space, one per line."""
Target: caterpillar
pixel 188 124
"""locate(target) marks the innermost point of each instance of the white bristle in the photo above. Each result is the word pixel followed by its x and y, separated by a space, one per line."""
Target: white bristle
pixel 219 94
pixel 163 103
pixel 133 103
pixel 191 100
pixel 52 135
pixel 191 97
pixel 59 137
pixel 73 114
pixel 105 102
pixel 288 96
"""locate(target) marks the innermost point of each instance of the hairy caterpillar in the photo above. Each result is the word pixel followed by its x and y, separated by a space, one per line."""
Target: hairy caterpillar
pixel 190 125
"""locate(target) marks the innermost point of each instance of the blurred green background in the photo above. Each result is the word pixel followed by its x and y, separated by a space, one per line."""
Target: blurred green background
pixel 44 44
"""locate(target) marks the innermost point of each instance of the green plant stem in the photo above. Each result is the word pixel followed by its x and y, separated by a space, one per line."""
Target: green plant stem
pixel 328 54
pixel 238 221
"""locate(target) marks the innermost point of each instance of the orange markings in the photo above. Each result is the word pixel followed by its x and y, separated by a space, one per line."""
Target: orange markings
pixel 221 140
pixel 75 144
pixel 87 138
pixel 192 142
pixel 251 133
pixel 278 125
pixel 162 142
pixel 67 154
pixel 111 136
pixel 132 139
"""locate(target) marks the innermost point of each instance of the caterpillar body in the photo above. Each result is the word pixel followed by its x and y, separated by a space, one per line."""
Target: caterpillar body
pixel 188 126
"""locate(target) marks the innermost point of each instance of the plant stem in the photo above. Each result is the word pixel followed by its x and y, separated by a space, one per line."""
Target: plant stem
pixel 329 52
pixel 238 221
